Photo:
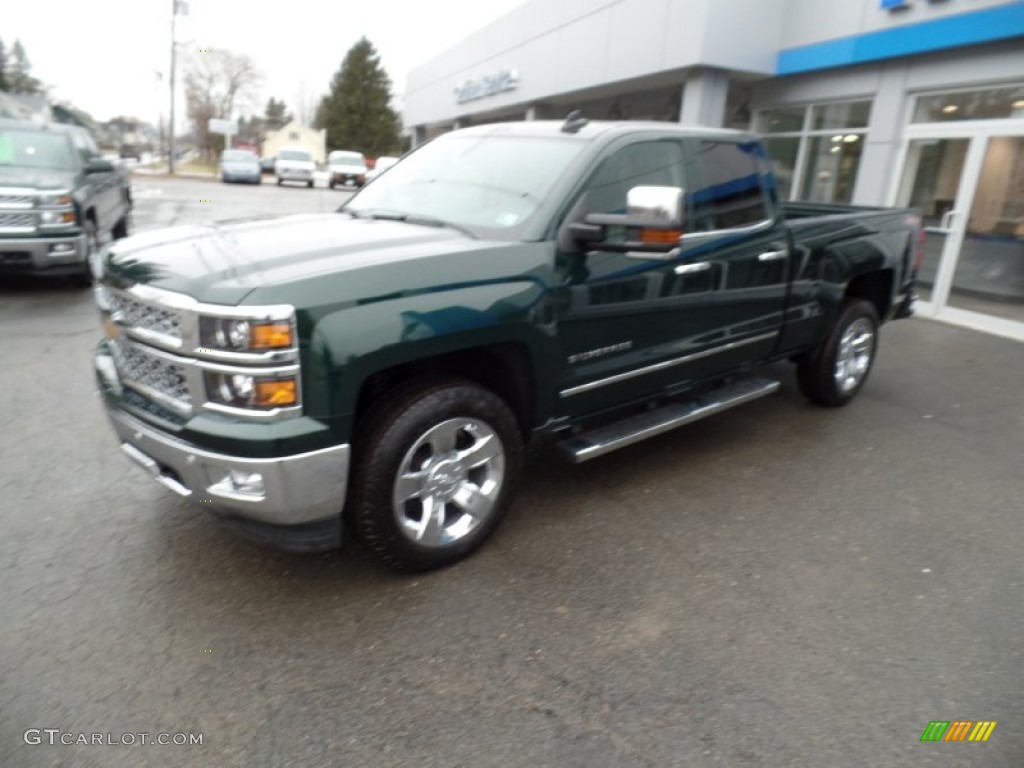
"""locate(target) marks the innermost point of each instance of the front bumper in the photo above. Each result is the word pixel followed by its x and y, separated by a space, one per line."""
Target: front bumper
pixel 297 490
pixel 295 174
pixel 55 254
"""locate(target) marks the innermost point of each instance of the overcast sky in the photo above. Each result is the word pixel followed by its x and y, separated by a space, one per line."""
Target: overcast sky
pixel 104 56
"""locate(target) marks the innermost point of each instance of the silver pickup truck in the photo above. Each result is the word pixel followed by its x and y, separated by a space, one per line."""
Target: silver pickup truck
pixel 59 200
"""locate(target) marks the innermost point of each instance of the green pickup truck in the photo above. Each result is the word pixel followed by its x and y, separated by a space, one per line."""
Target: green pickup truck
pixel 59 200
pixel 591 284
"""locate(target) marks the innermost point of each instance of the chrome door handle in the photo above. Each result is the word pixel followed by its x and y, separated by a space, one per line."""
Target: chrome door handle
pixel 689 269
pixel 772 255
pixel 946 222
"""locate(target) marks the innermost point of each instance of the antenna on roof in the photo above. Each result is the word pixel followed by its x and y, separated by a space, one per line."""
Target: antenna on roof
pixel 574 121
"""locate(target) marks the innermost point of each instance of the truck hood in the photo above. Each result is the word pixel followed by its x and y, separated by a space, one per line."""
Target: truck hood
pixel 223 263
pixel 36 178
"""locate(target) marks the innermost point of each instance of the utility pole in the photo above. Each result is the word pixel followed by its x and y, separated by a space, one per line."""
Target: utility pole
pixel 176 5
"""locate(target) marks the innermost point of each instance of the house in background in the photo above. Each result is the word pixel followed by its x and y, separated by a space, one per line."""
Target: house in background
pixel 296 135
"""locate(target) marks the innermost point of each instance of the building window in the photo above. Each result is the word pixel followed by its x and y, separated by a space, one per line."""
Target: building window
pixel 988 104
pixel 816 149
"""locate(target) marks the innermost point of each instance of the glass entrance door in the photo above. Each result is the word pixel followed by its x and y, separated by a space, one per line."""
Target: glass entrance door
pixel 989 274
pixel 931 182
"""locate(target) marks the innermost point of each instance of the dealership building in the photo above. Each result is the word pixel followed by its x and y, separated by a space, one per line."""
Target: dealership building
pixel 870 102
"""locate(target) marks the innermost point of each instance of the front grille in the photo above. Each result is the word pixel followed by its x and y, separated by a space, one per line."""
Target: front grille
pixel 16 201
pixel 17 221
pixel 142 369
pixel 148 317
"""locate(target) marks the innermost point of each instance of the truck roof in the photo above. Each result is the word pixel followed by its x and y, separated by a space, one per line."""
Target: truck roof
pixel 599 128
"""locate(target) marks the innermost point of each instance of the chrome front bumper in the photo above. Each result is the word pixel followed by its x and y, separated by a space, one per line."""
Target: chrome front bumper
pixel 296 490
pixel 42 253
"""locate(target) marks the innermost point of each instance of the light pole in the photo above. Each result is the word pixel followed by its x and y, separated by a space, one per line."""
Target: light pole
pixel 176 7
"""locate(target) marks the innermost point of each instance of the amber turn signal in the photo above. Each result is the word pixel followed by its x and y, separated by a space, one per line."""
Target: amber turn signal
pixel 273 393
pixel 661 236
pixel 270 336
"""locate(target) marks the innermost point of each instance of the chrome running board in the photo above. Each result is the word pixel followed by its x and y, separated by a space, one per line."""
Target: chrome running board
pixel 605 439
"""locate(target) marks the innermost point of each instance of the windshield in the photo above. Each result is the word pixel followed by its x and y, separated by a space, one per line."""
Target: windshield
pixel 238 156
pixel 36 149
pixel 495 184
pixel 346 158
pixel 295 154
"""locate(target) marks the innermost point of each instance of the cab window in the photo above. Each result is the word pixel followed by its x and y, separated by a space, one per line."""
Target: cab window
pixel 647 163
pixel 730 192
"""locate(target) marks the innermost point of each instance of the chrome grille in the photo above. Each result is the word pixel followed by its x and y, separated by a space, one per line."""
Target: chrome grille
pixel 17 221
pixel 16 201
pixel 148 317
pixel 143 369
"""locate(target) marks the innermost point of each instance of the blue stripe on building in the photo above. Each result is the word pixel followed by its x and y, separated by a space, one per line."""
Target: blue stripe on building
pixel 989 25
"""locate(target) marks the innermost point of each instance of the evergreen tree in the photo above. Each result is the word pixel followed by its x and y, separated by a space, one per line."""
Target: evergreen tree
pixel 357 112
pixel 17 72
pixel 3 67
pixel 275 116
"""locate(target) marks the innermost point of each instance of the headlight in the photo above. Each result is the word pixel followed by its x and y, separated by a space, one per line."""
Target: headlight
pixel 54 199
pixel 239 335
pixel 243 391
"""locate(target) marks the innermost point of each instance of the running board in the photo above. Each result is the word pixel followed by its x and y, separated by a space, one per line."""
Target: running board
pixel 597 442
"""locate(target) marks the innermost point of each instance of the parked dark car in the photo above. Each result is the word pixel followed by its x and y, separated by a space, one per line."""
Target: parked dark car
pixel 593 284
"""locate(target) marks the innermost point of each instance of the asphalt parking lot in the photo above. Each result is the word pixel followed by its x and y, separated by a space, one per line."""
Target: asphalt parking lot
pixel 781 585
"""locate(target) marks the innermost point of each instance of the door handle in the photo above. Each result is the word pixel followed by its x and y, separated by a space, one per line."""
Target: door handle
pixel 772 255
pixel 946 222
pixel 689 269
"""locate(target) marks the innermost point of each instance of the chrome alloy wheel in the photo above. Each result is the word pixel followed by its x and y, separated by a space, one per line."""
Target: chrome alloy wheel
pixel 856 348
pixel 449 481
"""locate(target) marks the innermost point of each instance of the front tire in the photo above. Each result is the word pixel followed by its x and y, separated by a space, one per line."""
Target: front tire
pixel 434 473
pixel 92 244
pixel 836 371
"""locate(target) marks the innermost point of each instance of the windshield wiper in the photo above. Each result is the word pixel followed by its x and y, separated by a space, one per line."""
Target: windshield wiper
pixel 409 218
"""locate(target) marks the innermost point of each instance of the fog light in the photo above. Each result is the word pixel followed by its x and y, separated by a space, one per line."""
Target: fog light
pixel 239 482
pixel 62 248
pixel 246 482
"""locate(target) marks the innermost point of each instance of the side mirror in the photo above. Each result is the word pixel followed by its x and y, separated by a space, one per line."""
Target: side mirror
pixel 98 165
pixel 655 207
pixel 653 222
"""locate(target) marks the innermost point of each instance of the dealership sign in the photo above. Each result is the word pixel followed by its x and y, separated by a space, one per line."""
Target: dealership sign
pixel 487 85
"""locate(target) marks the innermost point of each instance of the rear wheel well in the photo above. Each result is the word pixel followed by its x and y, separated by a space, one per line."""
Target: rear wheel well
pixel 875 287
pixel 504 369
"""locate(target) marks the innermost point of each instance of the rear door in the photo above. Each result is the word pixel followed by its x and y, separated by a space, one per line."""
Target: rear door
pixel 736 236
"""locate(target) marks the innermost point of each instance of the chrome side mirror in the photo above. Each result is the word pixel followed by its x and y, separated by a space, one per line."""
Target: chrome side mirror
pixel 655 207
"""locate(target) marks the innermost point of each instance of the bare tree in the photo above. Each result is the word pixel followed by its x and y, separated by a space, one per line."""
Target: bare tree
pixel 217 83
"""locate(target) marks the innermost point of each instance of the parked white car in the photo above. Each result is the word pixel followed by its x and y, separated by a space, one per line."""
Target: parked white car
pixel 294 164
pixel 346 168
pixel 383 163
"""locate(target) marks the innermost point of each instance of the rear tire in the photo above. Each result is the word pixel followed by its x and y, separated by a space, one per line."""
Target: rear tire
pixel 280 181
pixel 833 374
pixel 433 473
pixel 309 183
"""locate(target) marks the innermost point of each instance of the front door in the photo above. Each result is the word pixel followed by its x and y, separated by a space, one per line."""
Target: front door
pixel 632 327
pixel 969 186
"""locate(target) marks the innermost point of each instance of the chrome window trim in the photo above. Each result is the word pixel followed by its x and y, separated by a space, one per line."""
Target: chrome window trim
pixel 710 234
pixel 655 367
